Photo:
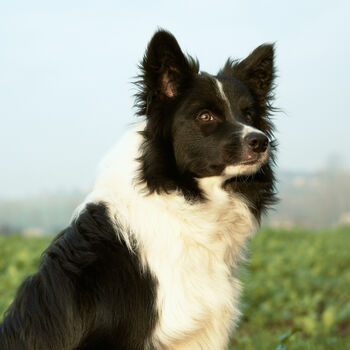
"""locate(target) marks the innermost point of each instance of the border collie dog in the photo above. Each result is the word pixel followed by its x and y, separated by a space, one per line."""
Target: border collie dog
pixel 150 259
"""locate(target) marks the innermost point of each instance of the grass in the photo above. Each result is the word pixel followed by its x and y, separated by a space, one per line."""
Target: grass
pixel 295 279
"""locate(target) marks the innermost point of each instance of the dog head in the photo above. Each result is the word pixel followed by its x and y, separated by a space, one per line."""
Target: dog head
pixel 201 125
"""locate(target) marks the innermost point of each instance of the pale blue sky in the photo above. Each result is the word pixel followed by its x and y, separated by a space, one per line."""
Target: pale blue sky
pixel 66 68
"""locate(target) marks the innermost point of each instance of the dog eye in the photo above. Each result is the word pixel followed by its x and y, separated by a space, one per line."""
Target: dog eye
pixel 205 117
pixel 249 118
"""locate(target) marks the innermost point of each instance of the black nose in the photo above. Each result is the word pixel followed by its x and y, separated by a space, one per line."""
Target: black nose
pixel 257 142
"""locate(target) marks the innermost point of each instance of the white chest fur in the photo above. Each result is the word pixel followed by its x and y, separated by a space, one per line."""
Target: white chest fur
pixel 191 249
pixel 193 255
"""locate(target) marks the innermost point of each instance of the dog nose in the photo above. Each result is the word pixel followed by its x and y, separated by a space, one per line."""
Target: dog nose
pixel 257 142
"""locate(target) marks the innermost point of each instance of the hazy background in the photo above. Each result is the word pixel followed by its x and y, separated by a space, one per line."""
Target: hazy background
pixel 66 95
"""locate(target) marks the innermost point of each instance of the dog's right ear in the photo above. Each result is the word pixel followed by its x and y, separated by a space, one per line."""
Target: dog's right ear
pixel 165 72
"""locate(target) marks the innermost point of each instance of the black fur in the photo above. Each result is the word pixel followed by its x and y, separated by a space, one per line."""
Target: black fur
pixel 158 165
pixel 89 293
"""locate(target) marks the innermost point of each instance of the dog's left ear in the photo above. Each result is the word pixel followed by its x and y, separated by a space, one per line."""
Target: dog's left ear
pixel 165 71
pixel 257 70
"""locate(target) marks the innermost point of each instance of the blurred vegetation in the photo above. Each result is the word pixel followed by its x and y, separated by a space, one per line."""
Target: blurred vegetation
pixel 296 287
pixel 19 257
pixel 296 279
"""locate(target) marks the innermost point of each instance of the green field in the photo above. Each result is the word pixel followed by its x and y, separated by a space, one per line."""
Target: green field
pixel 294 279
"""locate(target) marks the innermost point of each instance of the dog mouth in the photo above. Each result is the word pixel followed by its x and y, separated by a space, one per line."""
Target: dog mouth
pixel 251 159
pixel 249 164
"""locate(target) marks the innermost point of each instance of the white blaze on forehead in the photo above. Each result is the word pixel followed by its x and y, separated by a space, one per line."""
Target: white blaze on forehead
pixel 221 91
pixel 246 129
